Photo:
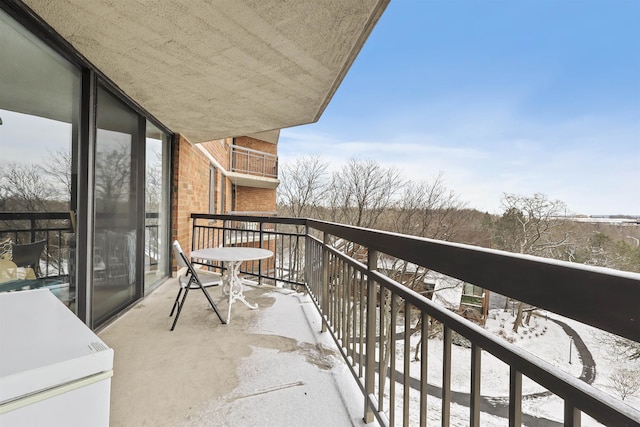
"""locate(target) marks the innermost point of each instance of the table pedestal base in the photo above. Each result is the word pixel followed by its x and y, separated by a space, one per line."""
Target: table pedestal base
pixel 234 288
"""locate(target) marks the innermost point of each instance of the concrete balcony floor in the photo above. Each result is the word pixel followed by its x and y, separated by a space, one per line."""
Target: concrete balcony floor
pixel 268 367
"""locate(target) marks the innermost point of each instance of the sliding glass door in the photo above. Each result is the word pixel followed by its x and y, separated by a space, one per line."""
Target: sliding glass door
pixel 88 199
pixel 116 213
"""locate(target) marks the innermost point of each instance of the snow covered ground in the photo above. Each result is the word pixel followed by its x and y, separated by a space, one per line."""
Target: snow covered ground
pixel 543 338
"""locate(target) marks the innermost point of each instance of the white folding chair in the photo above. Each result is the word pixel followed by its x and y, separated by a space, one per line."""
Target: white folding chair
pixel 192 280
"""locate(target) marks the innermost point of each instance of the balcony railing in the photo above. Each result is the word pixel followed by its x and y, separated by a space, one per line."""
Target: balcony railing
pixel 370 315
pixel 52 227
pixel 56 229
pixel 253 162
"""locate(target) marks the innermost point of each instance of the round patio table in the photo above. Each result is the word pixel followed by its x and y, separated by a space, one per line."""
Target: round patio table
pixel 234 257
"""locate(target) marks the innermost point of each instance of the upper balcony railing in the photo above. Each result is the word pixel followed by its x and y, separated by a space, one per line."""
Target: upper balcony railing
pixel 372 317
pixel 253 162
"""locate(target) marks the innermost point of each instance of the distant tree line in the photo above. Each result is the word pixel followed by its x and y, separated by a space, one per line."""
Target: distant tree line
pixel 366 194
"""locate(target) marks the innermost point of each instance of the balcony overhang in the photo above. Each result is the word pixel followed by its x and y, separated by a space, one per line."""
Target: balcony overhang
pixel 210 70
pixel 247 180
pixel 271 136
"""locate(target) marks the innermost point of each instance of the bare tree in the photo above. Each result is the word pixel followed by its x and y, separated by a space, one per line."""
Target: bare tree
pixel 618 348
pixel 303 185
pixel 24 187
pixel 361 191
pixel 113 169
pixel 625 382
pixel 153 181
pixel 58 168
pixel 532 225
pixel 428 209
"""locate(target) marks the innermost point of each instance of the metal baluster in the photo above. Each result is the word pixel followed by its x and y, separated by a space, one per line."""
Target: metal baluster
pixel 406 388
pixel 424 354
pixel 515 397
pixel 369 383
pixel 392 366
pixel 381 348
pixel 572 415
pixel 446 377
pixel 474 403
pixel 362 326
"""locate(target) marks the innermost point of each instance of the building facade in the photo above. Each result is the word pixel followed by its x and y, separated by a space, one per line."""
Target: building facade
pixel 117 121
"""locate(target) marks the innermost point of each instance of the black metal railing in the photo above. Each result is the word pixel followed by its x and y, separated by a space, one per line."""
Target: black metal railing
pixel 285 237
pixel 152 240
pixel 56 229
pixel 53 227
pixel 371 316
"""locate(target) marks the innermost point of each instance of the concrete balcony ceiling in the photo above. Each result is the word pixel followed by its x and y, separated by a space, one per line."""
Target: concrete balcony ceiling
pixel 213 69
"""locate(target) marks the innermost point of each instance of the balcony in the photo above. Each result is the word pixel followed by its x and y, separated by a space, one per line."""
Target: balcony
pixel 270 367
pixel 361 305
pixel 252 168
pixel 273 365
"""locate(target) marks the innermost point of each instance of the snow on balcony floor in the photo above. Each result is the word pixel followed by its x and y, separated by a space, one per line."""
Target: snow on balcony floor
pixel 268 367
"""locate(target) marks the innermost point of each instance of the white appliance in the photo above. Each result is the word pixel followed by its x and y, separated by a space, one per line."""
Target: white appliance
pixel 54 371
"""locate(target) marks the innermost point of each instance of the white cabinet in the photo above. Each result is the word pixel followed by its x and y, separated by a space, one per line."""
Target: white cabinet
pixel 54 371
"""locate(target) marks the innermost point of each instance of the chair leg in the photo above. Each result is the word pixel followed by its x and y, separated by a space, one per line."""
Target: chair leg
pixel 175 303
pixel 184 297
pixel 213 304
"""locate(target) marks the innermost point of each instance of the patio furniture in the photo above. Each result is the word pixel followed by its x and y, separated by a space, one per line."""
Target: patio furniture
pixel 192 280
pixel 235 256
pixel 28 257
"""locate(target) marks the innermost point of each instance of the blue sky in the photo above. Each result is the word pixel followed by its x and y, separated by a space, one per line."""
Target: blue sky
pixel 501 96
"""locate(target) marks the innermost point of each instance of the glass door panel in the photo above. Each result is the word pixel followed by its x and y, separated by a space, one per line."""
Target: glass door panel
pixel 156 206
pixel 115 209
pixel 39 131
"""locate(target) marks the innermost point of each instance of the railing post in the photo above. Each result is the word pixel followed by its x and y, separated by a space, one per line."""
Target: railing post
pixel 370 337
pixel 474 400
pixel 571 415
pixel 33 230
pixel 193 234
pixel 260 234
pixel 224 233
pixel 515 397
pixel 325 278
pixel 307 257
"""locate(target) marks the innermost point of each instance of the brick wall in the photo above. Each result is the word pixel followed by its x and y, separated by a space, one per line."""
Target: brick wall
pixel 256 144
pixel 189 188
pixel 250 199
pixel 190 185
pixel 219 149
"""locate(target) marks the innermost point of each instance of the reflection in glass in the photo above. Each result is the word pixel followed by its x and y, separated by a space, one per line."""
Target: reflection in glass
pixel 156 204
pixel 115 192
pixel 39 113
